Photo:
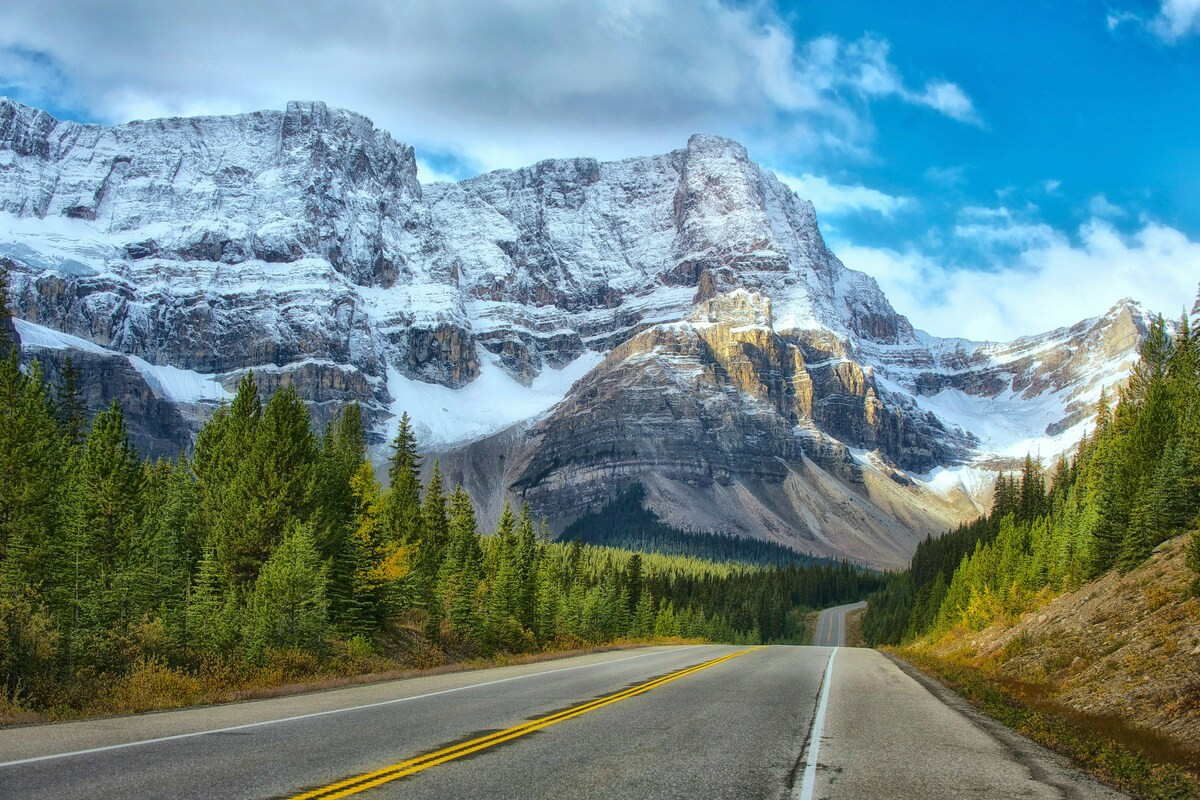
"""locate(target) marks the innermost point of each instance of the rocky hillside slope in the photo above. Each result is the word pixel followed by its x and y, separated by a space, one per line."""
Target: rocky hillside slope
pixel 557 332
pixel 1123 647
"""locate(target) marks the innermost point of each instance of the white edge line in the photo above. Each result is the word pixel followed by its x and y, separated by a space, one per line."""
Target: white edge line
pixel 814 740
pixel 394 701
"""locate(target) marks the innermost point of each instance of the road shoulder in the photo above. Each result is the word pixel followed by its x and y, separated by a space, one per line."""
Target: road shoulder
pixel 1044 764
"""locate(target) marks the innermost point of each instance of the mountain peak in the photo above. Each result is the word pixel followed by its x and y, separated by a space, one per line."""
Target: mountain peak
pixel 716 146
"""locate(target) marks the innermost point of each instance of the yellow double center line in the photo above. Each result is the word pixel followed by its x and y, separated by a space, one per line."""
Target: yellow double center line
pixel 369 780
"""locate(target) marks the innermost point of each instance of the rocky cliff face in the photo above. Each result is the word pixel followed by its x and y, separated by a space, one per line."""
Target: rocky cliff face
pixel 556 331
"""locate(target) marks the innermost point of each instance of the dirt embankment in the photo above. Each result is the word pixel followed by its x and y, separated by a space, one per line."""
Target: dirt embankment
pixel 854 634
pixel 1122 651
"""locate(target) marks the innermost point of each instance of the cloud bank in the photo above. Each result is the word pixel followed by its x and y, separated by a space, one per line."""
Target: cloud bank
pixel 1046 279
pixel 835 199
pixel 500 83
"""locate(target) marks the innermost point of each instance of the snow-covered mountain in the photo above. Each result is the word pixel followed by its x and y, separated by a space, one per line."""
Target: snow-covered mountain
pixel 557 332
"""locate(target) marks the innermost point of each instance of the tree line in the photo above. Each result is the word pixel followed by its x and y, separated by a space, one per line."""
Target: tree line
pixel 272 540
pixel 625 522
pixel 1133 484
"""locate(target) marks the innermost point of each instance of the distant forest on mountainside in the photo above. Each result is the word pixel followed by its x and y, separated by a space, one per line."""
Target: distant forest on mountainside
pixel 625 522
pixel 1134 483
pixel 275 545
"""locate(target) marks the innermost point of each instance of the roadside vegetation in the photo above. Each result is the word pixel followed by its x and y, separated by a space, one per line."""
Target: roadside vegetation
pixel 1132 491
pixel 274 555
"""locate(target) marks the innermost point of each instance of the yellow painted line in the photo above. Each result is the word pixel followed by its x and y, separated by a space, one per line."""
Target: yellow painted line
pixel 370 780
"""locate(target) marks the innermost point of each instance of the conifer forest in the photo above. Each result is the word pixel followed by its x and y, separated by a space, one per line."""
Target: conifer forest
pixel 273 544
pixel 1133 484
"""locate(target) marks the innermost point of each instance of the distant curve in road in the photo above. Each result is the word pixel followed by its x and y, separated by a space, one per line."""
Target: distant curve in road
pixel 665 722
pixel 831 625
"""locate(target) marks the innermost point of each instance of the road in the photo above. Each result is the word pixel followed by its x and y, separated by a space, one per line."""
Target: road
pixel 663 722
pixel 831 625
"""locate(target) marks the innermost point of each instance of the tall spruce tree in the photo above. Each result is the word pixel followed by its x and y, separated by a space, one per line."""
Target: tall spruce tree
pixel 403 503
pixel 272 489
pixel 463 569
pixel 104 505
pixel 288 608
pixel 72 414
pixel 431 553
pixel 32 474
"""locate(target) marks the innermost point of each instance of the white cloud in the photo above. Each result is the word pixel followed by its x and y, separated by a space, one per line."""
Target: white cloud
pixel 949 177
pixel 1055 281
pixel 1099 206
pixel 1009 233
pixel 1051 186
pixel 427 173
pixel 1118 18
pixel 1176 19
pixel 834 198
pixel 949 99
pixel 497 82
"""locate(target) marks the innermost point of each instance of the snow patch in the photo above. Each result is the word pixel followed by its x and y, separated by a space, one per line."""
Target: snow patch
pixel 33 335
pixel 492 402
pixel 180 385
pixel 945 480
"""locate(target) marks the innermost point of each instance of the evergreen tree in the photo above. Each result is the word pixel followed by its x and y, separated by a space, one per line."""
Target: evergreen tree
pixel 528 554
pixel 404 486
pixel 390 561
pixel 1032 490
pixel 221 455
pixel 32 472
pixel 69 404
pixel 212 620
pixel 464 565
pixel 104 507
pixel 288 606
pixel 272 488
pixel 431 553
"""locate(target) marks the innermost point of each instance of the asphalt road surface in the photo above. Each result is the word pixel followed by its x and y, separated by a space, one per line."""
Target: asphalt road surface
pixel 662 722
pixel 831 625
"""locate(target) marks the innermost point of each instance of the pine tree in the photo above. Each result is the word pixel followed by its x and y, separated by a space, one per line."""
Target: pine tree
pixel 642 625
pixel 431 553
pixel 359 586
pixel 404 486
pixel 272 488
pixel 345 506
pixel 32 467
pixel 288 608
pixel 528 554
pixel 501 589
pixel 69 404
pixel 1138 541
pixel 1151 368
pixel 390 562
pixel 633 578
pixel 211 627
pixel 547 602
pixel 1032 492
pixel 221 455
pixel 7 340
pixel 464 566
pixel 161 556
pixel 104 506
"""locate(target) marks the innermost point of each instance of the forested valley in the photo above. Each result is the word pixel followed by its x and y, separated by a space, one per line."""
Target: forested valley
pixel 274 554
pixel 1133 484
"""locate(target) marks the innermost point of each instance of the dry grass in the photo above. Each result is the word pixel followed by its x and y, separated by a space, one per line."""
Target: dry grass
pixel 1138 762
pixel 153 685
pixel 854 634
pixel 1121 653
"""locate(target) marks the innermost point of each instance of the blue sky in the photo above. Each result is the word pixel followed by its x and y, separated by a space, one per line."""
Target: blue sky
pixel 1000 168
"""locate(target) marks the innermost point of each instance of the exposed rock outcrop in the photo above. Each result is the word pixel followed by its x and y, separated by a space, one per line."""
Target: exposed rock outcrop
pixel 737 355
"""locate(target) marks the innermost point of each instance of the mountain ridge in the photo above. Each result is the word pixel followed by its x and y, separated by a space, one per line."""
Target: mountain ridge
pixel 301 245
